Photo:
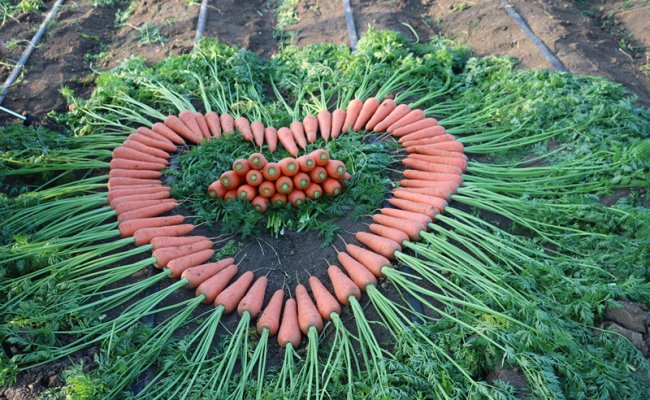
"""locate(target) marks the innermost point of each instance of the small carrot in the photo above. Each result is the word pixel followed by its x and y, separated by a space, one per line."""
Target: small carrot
pixel 153 135
pixel 395 235
pixel 136 155
pixel 301 181
pixel 147 196
pixel 325 124
pixel 411 117
pixel 297 198
pixel 271 138
pixel 257 161
pixel 144 235
pixel 146 212
pixel 431 176
pixel 352 113
pixel 398 112
pixel 318 175
pixel 267 189
pixel 430 167
pixel 424 184
pixel 325 302
pixel 230 180
pixel 203 125
pixel 254 178
pixel 180 264
pixel 298 132
pixel 227 123
pixel 288 141
pixel 372 261
pixel 175 124
pixel 359 274
pixel 212 118
pixel 422 219
pixel 134 144
pixel 241 167
pixel 271 171
pixel 332 187
pixel 156 144
pixel 283 185
pixel 368 109
pixel 338 119
pixel 124 191
pixel 270 318
pixel 166 254
pixel 308 315
pixel 258 132
pixel 454 161
pixel 415 127
pixel 174 241
pixel 426 133
pixel 128 228
pixel 211 287
pixel 244 127
pixel 230 195
pixel 164 130
pixel 454 146
pixel 321 157
pixel 199 274
pixel 379 244
pixel 306 162
pixel 415 207
pixel 279 199
pixel 130 182
pixel 335 169
pixel 343 286
pixel 126 206
pixel 260 204
pixel 346 179
pixel 310 123
pixel 230 297
pixel 189 119
pixel 439 203
pixel 122 163
pixel 314 191
pixel 134 173
pixel 410 144
pixel 246 192
pixel 254 300
pixel 385 108
pixel 289 332
pixel 289 166
pixel 411 228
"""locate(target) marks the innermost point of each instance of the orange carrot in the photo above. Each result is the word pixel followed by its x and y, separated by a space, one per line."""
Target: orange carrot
pixel 430 167
pixel 130 182
pixel 163 130
pixel 283 185
pixel 453 146
pixel 257 161
pixel 409 118
pixel 424 184
pixel 270 318
pixel 415 127
pixel 288 141
pixel 144 235
pixel 212 118
pixel 289 332
pixel 146 212
pixel 297 198
pixel 254 178
pixel 410 144
pixel 174 241
pixel 347 178
pixel 338 119
pixel 407 205
pixel 301 181
pixel 393 234
pixel 314 191
pixel 178 126
pixel 230 180
pixel 367 111
pixel 439 203
pixel 310 123
pixel 372 261
pixel 267 189
pixel 271 138
pixel 422 219
pixel 379 244
pixel 279 199
pixel 211 287
pixel 128 228
pixel 189 119
pixel 454 161
pixel 271 171
pixel 398 112
pixel 257 128
pixel 325 302
pixel 332 187
pixel 230 297
pixel 325 124
pixel 203 125
pixel 343 286
pixel 260 204
pixel 156 144
pixel 199 274
pixel 134 173
pixel 180 264
pixel 135 145
pixel 359 274
pixel 289 166
pixel 241 167
pixel 123 191
pixel 227 123
pixel 318 175
pixel 230 195
pixel 308 315
pixel 298 132
pixel 425 133
pixel 443 193
pixel 385 108
pixel 244 127
pixel 153 135
pixel 306 162
pixel 132 154
pixel 254 300
pixel 335 169
pixel 352 113
pixel 411 228
pixel 246 192
pixel 137 204
pixel 321 157
pixel 431 176
pixel 147 196
pixel 166 254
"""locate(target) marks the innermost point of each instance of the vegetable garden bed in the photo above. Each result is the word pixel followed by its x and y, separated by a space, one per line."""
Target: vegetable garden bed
pixel 515 272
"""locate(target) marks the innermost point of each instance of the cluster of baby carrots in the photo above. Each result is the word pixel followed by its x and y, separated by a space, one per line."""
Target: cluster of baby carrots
pixel 290 180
